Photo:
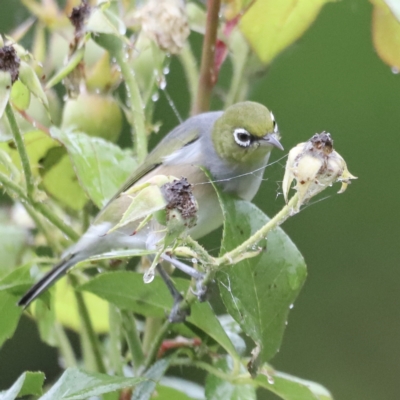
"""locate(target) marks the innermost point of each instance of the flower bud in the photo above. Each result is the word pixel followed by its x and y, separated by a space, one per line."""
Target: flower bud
pixel 314 165
pixel 165 22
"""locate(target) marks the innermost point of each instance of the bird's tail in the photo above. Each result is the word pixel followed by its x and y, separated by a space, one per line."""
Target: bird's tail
pixel 49 279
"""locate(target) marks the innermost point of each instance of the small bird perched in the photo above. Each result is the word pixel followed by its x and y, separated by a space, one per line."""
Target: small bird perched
pixel 233 145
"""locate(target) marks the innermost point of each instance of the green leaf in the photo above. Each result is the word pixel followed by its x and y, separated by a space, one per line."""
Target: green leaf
pixel 61 182
pixel 76 384
pixel 220 389
pixel 101 166
pixel 29 383
pixel 386 34
pixel 289 387
pixel 37 145
pixel 258 292
pixel 5 90
pixel 203 316
pixel 9 315
pixel 165 392
pixel 145 389
pixel 270 26
pixel 12 243
pixel 28 77
pixel 172 387
pixel 17 281
pixel 20 96
pixel 233 329
pixel 127 291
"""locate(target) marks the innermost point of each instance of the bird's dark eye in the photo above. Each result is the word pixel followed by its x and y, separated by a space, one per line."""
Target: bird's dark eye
pixel 242 137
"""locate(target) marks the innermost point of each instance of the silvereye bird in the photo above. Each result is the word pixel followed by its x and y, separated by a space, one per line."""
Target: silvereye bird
pixel 233 145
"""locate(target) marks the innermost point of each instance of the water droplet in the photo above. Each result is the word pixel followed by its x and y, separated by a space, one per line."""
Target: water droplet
pixel 114 60
pixel 291 306
pixel 271 380
pixel 165 70
pixel 148 276
pixel 194 260
pixel 395 70
pixel 155 96
pixel 163 83
pixel 286 323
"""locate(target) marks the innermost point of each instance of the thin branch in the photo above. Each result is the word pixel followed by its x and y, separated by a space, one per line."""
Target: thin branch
pixel 207 69
pixel 19 141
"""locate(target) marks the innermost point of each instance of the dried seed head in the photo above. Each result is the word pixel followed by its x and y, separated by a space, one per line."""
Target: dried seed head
pixel 315 165
pixel 10 62
pixel 166 23
pixel 180 199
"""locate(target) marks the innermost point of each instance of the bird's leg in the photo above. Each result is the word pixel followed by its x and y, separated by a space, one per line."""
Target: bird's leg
pixel 177 314
pixel 201 291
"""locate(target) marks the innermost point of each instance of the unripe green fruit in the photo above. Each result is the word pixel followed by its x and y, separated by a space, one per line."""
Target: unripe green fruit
pixel 95 115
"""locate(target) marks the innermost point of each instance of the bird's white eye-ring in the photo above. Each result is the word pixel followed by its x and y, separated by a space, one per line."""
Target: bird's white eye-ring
pixel 274 122
pixel 242 137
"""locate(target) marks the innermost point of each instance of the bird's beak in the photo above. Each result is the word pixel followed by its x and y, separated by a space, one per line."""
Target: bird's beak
pixel 272 140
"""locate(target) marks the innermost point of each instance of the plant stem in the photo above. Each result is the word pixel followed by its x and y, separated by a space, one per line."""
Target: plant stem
pixel 65 346
pixel 189 64
pixel 229 258
pixel 152 325
pixel 155 345
pixel 207 69
pixel 19 141
pixel 132 338
pixel 87 327
pixel 136 105
pixel 115 340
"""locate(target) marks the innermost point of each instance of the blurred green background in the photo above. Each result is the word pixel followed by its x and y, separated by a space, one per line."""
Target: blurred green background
pixel 344 330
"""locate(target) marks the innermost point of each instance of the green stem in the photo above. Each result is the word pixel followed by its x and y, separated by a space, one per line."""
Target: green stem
pixel 189 64
pixel 229 258
pixel 65 347
pixel 40 207
pixel 207 69
pixel 136 105
pixel 87 327
pixel 19 141
pixel 152 326
pixel 155 345
pixel 132 338
pixel 115 340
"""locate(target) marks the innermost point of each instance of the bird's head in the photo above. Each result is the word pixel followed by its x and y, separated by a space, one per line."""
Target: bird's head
pixel 245 134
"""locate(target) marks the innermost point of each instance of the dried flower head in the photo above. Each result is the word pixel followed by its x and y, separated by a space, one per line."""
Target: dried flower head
pixel 315 165
pixel 166 23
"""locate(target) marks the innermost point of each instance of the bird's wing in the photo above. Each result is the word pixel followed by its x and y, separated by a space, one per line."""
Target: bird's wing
pixel 184 134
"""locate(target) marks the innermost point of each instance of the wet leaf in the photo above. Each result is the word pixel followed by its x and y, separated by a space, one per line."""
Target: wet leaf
pixel 29 383
pixel 127 291
pixel 289 387
pixel 271 26
pixel 17 281
pixel 258 291
pixel 220 389
pixel 386 34
pixel 100 166
pixel 76 384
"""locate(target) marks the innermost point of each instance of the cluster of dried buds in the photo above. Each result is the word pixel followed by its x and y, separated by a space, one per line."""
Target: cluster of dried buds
pixel 314 165
pixel 166 23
